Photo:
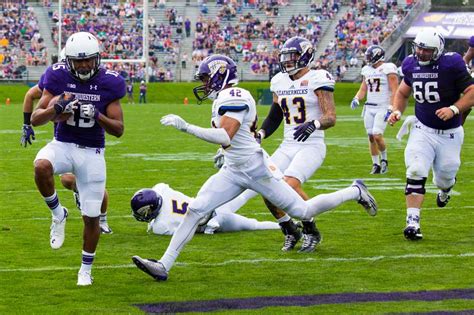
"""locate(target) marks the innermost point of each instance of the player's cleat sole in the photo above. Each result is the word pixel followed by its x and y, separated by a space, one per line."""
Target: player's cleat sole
pixel 57 231
pixel 383 166
pixel 365 198
pixel 442 202
pixel 412 233
pixel 376 169
pixel 84 278
pixel 152 267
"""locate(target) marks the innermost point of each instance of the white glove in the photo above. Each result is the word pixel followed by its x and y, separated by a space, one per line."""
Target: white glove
pixel 354 103
pixel 219 158
pixel 174 121
pixel 89 111
pixel 405 128
pixel 70 107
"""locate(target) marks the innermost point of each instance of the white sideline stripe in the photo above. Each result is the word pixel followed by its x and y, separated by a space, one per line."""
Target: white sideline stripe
pixel 250 214
pixel 258 261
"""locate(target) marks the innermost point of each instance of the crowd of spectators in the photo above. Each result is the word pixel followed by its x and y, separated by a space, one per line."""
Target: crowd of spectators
pixel 20 40
pixel 366 23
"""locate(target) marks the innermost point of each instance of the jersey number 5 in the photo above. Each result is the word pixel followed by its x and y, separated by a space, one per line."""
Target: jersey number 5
pixel 177 209
pixel 426 93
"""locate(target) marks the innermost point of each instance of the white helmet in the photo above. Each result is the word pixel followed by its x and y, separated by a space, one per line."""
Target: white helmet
pixel 428 39
pixel 81 46
pixel 62 55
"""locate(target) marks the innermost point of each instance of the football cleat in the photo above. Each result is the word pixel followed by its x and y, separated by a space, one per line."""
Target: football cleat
pixel 84 278
pixel 211 226
pixel 442 199
pixel 311 237
pixel 365 198
pixel 290 241
pixel 412 233
pixel 383 166
pixel 57 231
pixel 77 200
pixel 152 267
pixel 309 242
pixel 104 228
pixel 375 169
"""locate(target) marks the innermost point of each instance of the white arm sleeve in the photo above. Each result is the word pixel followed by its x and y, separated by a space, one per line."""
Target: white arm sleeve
pixel 213 135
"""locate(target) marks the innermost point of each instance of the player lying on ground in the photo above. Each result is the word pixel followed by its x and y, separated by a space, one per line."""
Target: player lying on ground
pixel 164 208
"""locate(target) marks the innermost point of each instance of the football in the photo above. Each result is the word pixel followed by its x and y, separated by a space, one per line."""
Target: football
pixel 63 116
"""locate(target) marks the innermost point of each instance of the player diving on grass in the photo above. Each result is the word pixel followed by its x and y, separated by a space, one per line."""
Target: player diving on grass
pixel 164 209
pixel 379 83
pixel 436 79
pixel 246 166
pixel 68 180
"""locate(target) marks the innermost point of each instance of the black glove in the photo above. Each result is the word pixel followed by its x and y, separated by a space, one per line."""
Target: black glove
pixel 303 131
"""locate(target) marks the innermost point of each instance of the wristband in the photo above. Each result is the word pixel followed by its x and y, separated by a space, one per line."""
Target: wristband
pixel 317 124
pixel 454 109
pixel 27 118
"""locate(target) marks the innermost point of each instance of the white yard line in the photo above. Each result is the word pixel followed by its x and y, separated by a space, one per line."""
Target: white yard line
pixel 258 261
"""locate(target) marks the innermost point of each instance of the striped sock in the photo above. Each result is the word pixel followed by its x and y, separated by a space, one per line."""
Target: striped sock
pixel 87 260
pixel 55 206
pixel 103 217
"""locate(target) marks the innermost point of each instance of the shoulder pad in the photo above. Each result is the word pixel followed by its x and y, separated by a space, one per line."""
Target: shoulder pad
pixel 321 79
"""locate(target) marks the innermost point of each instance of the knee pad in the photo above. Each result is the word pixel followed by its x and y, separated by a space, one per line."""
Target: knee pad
pixel 415 186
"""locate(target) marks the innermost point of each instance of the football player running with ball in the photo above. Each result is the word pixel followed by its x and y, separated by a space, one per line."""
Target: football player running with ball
pixel 84 99
pixel 247 165
pixel 379 83
pixel 436 79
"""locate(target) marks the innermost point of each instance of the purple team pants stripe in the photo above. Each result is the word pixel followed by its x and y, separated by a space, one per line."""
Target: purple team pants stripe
pixel 304 300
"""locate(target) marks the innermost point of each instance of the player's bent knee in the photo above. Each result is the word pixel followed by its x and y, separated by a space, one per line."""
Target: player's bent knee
pixel 415 186
pixel 43 168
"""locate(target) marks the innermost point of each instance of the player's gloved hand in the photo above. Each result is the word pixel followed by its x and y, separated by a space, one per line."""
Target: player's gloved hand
pixel 354 103
pixel 66 103
pixel 89 111
pixel 387 114
pixel 174 121
pixel 28 135
pixel 303 131
pixel 259 136
pixel 219 158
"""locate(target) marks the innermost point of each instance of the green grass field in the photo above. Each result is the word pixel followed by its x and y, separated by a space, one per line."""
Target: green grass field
pixel 359 254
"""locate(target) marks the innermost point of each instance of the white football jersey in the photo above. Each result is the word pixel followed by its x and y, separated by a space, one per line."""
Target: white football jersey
pixel 378 90
pixel 239 104
pixel 173 209
pixel 298 100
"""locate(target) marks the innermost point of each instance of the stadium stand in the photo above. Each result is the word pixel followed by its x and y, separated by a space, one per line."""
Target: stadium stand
pixel 181 33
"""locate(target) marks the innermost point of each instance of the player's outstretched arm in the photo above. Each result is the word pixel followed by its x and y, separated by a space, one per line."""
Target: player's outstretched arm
pixel 112 121
pixel 400 102
pixel 272 121
pixel 463 104
pixel 220 136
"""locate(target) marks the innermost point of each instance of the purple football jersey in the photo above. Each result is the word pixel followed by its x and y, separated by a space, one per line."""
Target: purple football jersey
pixel 471 42
pixel 41 82
pixel 436 85
pixel 106 86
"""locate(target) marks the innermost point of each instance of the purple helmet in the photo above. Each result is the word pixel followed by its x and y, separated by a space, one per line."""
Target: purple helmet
pixel 297 53
pixel 215 72
pixel 146 205
pixel 374 54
